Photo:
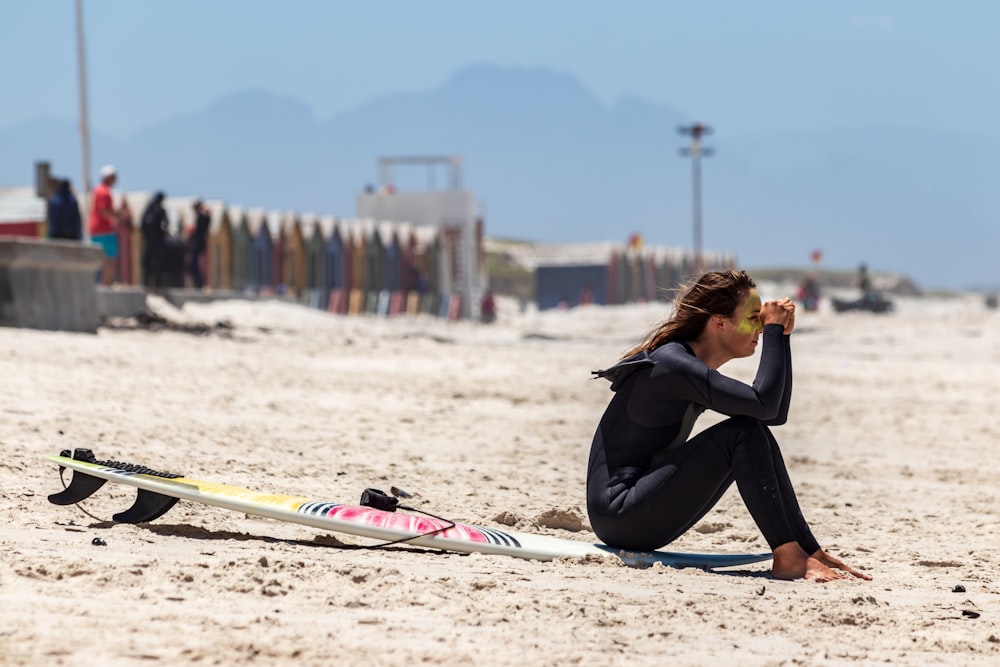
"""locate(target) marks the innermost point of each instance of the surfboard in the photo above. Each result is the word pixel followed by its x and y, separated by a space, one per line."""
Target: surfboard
pixel 159 491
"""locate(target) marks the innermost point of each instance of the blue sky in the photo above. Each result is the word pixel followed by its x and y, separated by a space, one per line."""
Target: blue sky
pixel 748 67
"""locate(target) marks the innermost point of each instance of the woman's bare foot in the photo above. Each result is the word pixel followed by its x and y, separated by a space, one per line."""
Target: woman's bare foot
pixel 832 562
pixel 818 571
pixel 792 562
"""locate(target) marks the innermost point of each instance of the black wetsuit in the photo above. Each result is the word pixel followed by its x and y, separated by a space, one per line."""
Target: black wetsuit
pixel 647 483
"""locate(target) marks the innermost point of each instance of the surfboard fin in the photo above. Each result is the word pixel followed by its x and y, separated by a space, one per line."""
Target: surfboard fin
pixel 81 486
pixel 148 506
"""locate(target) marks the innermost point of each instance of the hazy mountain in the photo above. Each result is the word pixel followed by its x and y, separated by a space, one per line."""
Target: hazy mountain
pixel 550 162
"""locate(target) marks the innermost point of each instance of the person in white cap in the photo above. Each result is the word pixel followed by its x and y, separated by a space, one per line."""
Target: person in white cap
pixel 103 220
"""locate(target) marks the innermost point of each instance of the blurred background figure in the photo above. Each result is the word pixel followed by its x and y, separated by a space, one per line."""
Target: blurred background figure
pixel 64 213
pixel 197 243
pixel 809 293
pixel 154 225
pixel 871 299
pixel 103 230
pixel 865 283
pixel 488 309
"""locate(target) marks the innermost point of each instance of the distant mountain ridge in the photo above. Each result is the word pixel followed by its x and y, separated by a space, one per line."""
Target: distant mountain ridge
pixel 550 162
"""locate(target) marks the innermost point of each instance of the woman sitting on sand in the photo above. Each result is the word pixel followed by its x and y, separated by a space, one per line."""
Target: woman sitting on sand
pixel 647 482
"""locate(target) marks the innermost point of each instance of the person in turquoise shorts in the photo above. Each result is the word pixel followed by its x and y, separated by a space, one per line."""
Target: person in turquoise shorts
pixel 103 222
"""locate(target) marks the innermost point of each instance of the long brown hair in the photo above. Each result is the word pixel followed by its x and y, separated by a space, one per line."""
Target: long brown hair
pixel 714 293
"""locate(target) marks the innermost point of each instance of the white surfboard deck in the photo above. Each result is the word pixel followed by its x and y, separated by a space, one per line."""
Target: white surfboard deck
pixel 381 525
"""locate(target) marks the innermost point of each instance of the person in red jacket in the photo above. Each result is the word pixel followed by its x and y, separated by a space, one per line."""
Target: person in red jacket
pixel 103 222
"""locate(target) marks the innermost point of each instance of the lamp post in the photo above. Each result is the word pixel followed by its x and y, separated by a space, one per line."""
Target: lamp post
pixel 696 151
pixel 84 124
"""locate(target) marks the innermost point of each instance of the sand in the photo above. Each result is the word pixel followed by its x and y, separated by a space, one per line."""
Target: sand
pixel 893 443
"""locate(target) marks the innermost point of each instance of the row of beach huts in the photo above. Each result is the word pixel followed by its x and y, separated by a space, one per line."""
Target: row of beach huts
pixel 346 266
pixel 406 253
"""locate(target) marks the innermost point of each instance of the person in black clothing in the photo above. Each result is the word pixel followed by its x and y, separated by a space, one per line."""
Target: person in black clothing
pixel 868 292
pixel 64 213
pixel 197 242
pixel 648 481
pixel 154 225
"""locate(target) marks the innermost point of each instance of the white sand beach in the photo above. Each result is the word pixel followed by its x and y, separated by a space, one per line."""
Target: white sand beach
pixel 893 444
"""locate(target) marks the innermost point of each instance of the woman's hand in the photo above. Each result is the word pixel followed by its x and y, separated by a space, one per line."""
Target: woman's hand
pixel 789 306
pixel 780 312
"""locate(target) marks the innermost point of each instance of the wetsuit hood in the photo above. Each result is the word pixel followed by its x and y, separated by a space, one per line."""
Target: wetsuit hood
pixel 624 368
pixel 618 373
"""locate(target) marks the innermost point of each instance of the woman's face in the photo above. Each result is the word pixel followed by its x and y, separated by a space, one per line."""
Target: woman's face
pixel 743 327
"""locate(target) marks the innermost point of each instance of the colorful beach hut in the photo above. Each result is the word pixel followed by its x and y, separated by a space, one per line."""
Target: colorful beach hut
pixel 242 237
pixel 336 265
pixel 294 255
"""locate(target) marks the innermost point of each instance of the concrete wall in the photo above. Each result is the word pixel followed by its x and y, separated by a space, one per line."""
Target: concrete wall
pixel 48 284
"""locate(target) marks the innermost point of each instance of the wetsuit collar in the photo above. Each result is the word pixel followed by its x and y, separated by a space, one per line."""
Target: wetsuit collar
pixel 618 373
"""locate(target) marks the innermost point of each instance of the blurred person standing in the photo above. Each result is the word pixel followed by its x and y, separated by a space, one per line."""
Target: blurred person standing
pixel 198 242
pixel 154 226
pixel 102 222
pixel 64 213
pixel 809 293
pixel 488 309
pixel 868 292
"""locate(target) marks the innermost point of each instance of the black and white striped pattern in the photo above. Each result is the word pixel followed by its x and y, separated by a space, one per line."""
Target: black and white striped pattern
pixel 498 537
pixel 316 508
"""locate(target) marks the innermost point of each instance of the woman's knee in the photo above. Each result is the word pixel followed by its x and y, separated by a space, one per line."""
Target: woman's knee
pixel 744 432
pixel 740 425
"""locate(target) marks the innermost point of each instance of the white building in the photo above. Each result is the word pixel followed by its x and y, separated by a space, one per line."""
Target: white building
pixel 452 209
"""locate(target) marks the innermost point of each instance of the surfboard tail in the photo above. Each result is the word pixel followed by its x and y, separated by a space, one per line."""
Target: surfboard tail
pixel 148 505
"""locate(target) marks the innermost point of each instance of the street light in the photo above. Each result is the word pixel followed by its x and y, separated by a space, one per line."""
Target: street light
pixel 81 64
pixel 696 151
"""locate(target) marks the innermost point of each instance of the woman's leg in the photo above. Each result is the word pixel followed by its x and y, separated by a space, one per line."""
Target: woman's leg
pixel 803 535
pixel 656 508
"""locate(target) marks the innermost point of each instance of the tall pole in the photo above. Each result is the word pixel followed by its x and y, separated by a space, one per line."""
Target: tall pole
pixel 696 208
pixel 81 63
pixel 696 151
